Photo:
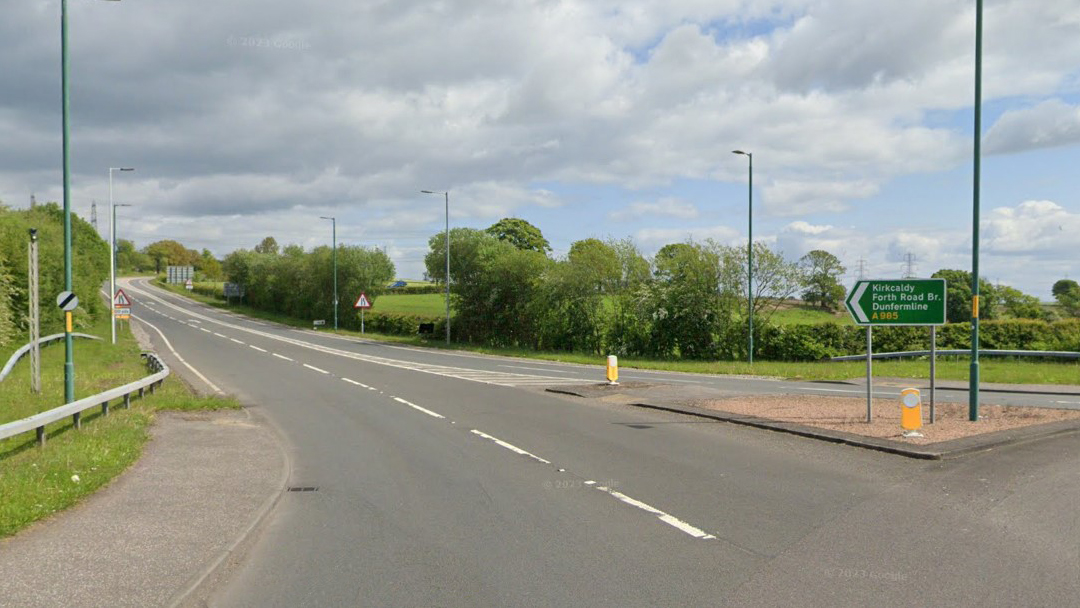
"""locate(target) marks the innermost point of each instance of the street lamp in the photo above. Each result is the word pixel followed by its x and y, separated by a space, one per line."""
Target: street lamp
pixel 973 376
pixel 446 196
pixel 69 345
pixel 112 249
pixel 333 220
pixel 750 253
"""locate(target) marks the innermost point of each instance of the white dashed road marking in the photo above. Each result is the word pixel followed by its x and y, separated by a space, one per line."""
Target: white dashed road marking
pixel 312 367
pixel 417 407
pixel 664 517
pixel 235 340
pixel 512 448
pixel 261 350
pixel 281 356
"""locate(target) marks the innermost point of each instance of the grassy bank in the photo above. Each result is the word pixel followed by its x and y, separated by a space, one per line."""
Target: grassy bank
pixel 37 482
pixel 1004 370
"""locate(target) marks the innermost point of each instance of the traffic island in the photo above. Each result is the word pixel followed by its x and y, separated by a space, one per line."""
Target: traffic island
pixel 843 419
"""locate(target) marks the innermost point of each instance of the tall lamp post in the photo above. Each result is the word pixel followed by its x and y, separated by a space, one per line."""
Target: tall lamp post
pixel 112 248
pixel 750 254
pixel 973 376
pixel 446 197
pixel 69 345
pixel 333 221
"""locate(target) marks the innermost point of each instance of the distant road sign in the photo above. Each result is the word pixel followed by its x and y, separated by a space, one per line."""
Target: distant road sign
pixel 319 322
pixel 123 313
pixel 67 301
pixel 362 301
pixel 121 300
pixel 188 285
pixel 898 302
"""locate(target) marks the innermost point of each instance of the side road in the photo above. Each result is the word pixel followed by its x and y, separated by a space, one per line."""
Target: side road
pixel 155 535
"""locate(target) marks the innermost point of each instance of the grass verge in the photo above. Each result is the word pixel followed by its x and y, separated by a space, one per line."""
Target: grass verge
pixel 37 482
pixel 997 369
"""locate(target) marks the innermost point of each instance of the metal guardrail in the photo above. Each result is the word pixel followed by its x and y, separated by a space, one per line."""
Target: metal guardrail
pixel 19 354
pixel 1064 354
pixel 75 408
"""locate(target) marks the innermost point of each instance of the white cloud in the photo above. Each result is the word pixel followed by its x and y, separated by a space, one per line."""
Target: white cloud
pixel 787 198
pixel 1030 227
pixel 1049 124
pixel 663 208
pixel 655 237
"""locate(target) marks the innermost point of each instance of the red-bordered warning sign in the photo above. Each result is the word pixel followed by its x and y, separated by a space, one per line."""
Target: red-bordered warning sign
pixel 121 300
pixel 362 301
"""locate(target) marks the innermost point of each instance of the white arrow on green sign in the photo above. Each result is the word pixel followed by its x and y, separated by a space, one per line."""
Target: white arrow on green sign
pixel 898 302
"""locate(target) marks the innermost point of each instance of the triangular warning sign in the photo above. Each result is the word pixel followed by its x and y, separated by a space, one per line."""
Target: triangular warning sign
pixel 362 302
pixel 121 300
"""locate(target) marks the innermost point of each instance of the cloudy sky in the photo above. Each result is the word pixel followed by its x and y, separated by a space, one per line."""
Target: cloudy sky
pixel 585 117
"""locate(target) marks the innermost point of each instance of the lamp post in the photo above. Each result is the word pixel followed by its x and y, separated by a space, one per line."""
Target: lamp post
pixel 333 221
pixel 112 249
pixel 749 254
pixel 69 346
pixel 446 197
pixel 973 376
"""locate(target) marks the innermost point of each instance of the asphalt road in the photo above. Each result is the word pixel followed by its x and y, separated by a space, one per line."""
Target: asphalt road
pixel 449 479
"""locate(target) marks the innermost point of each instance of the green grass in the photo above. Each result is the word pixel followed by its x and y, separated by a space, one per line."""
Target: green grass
pixel 37 482
pixel 428 304
pixel 1010 371
pixel 802 314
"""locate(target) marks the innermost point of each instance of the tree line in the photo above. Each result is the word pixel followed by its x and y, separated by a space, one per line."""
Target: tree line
pixel 90 268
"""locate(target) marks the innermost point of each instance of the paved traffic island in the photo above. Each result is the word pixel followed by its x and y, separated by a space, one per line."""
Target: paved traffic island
pixel 843 419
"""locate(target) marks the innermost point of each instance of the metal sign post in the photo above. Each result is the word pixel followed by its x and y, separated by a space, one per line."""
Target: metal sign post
pixel 35 316
pixel 897 302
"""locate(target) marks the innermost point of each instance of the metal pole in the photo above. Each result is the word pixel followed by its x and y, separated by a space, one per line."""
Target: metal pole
pixel 334 228
pixel 750 256
pixel 973 377
pixel 35 317
pixel 869 375
pixel 447 197
pixel 69 346
pixel 112 260
pixel 933 371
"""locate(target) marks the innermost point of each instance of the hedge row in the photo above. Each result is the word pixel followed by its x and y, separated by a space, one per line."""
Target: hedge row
pixel 810 342
pixel 412 290
pixel 399 324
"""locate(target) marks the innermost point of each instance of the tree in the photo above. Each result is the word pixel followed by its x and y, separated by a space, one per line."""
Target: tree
pixel 775 278
pixel 595 263
pixel 958 296
pixel 170 253
pixel 209 266
pixel 1016 304
pixel 520 234
pixel 822 271
pixel 267 245
pixel 1067 293
pixel 7 314
pixel 465 244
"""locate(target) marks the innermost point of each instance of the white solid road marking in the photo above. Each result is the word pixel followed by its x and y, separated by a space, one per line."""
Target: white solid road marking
pixel 512 448
pixel 535 369
pixel 670 520
pixel 312 367
pixel 281 356
pixel 235 340
pixel 177 355
pixel 834 390
pixel 417 407
pixel 261 350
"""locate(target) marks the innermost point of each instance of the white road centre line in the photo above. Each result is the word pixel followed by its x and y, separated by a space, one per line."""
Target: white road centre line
pixel 235 340
pixel 417 407
pixel 261 350
pixel 312 367
pixel 351 381
pixel 833 390
pixel 281 356
pixel 1068 402
pixel 220 335
pixel 535 369
pixel 206 330
pixel 670 520
pixel 511 447
pixel 177 355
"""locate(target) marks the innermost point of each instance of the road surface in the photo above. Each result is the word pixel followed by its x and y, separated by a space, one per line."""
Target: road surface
pixel 451 479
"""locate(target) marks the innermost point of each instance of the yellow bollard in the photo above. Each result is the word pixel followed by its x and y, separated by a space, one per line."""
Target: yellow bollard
pixel 911 412
pixel 612 369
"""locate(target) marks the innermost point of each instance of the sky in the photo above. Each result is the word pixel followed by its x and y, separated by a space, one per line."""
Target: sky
pixel 587 118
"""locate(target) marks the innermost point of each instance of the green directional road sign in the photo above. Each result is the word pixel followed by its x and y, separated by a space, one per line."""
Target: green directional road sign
pixel 898 302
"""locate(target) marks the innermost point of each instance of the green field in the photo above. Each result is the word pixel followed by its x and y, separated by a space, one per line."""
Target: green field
pixel 37 482
pixel 428 304
pixel 801 314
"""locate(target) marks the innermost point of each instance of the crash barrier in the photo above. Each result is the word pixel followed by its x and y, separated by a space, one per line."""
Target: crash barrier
pixel 19 354
pixel 75 409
